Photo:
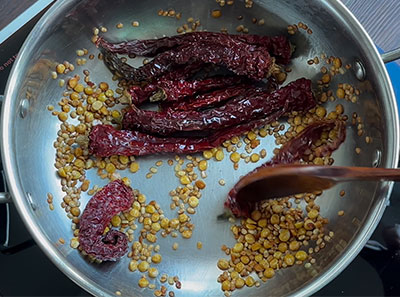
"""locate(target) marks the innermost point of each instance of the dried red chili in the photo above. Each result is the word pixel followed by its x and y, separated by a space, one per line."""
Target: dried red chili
pixel 278 46
pixel 105 141
pixel 292 152
pixel 175 90
pixel 180 73
pixel 111 200
pixel 241 58
pixel 216 97
pixel 250 106
pixel 209 99
pixel 184 71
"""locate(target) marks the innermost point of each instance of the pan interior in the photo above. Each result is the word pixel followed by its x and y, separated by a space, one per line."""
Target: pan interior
pixel 69 27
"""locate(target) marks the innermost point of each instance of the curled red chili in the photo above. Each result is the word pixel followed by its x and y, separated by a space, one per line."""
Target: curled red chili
pixel 251 106
pixel 111 200
pixel 292 152
pixel 278 46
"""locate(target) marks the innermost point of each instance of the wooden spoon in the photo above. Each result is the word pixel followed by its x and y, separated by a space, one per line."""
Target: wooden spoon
pixel 286 180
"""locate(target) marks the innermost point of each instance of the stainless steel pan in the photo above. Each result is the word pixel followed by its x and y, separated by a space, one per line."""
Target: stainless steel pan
pixel 28 132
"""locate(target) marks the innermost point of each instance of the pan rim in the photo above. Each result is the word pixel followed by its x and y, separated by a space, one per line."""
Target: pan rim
pixel 52 252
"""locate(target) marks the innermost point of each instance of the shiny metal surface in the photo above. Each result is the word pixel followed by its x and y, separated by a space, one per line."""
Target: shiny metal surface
pixel 391 55
pixel 359 70
pixel 28 153
pixel 4 197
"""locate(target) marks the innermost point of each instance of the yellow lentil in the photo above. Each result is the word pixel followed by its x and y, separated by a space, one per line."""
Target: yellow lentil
pixel 223 264
pixel 269 272
pixel 289 259
pixel 79 88
pixel 239 283
pixel 102 97
pixel 326 78
pixel 133 265
pixel 60 68
pixel 116 221
pixel 313 213
pixel 134 167
pixel 249 238
pixel 294 245
pixel 238 247
pixel 75 211
pixel 115 114
pixel 143 282
pixel 185 180
pixel 226 285
pixel 282 247
pixel 250 281
pixel 187 234
pixel 193 201
pixel 339 109
pixel 274 219
pixel 235 157
pixel 183 218
pixel 251 135
pixel 337 63
pixel 219 155
pixel 97 105
pixel 110 168
pixel 203 165
pixel 151 237
pixel 150 209
pixel 153 272
pixel 207 154
pixel 62 116
pixel 340 93
pixel 301 255
pixel 216 13
pixel 255 158
pixel 320 111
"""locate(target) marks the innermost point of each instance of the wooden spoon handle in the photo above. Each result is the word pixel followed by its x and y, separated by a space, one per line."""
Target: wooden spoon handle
pixel 340 174
pixel 286 180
